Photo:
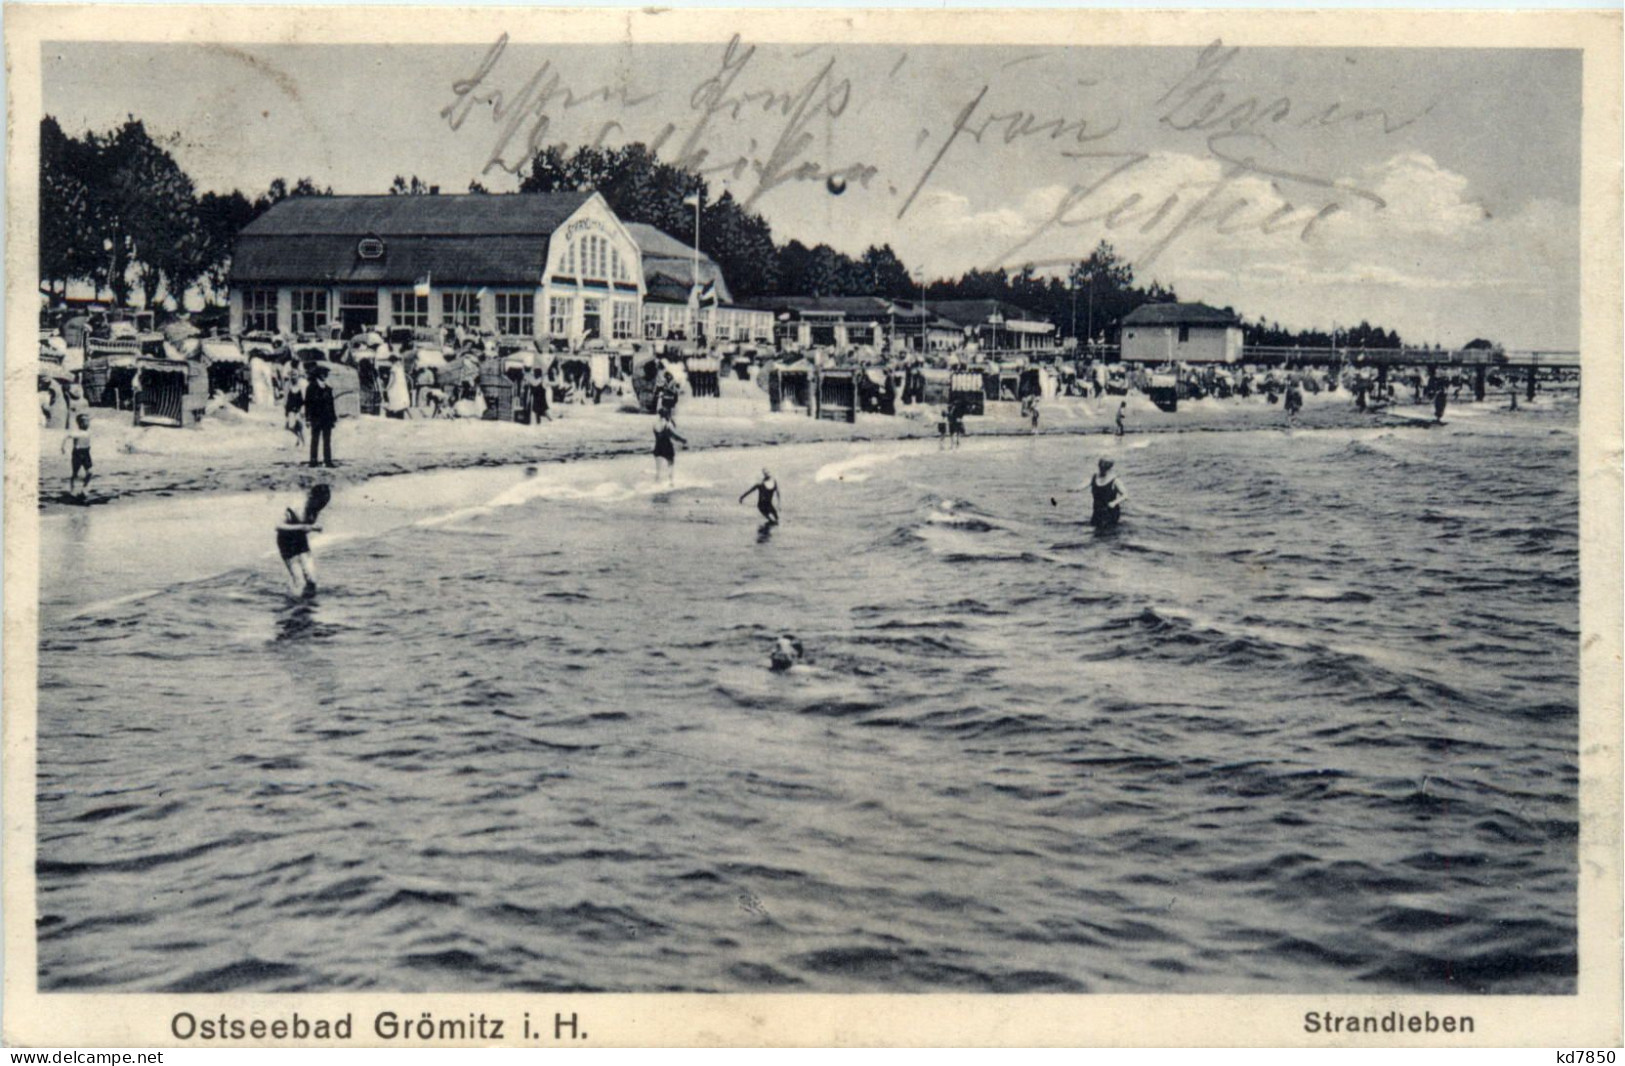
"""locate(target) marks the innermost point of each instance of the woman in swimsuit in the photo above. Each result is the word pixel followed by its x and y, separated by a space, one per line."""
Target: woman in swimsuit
pixel 665 452
pixel 293 540
pixel 767 490
pixel 1108 496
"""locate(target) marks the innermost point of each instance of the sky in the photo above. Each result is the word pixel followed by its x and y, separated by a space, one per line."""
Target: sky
pixel 1432 191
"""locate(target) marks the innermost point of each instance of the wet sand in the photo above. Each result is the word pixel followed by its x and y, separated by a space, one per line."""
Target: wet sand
pixel 236 452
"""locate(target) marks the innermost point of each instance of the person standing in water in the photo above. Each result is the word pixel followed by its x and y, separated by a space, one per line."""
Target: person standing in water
pixel 787 652
pixel 767 491
pixel 1122 413
pixel 665 452
pixel 293 540
pixel 79 436
pixel 1439 402
pixel 1108 497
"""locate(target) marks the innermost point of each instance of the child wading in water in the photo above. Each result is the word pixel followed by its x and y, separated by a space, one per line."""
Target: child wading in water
pixel 665 451
pixel 79 436
pixel 767 491
pixel 293 541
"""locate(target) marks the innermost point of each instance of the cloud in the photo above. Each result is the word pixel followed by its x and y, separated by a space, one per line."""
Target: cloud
pixel 1431 261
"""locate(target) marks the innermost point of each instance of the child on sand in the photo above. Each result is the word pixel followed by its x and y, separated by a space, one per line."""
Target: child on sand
pixel 293 540
pixel 79 436
pixel 767 490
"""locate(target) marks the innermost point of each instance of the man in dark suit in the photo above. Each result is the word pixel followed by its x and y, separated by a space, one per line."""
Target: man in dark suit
pixel 320 412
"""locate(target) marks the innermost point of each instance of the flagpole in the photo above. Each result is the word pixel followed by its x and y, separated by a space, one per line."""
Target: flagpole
pixel 695 277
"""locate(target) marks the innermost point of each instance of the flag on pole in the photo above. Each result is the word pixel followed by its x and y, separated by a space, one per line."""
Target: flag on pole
pixel 422 286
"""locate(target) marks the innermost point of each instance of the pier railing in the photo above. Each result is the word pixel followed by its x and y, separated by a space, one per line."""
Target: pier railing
pixel 1267 355
pixel 1289 356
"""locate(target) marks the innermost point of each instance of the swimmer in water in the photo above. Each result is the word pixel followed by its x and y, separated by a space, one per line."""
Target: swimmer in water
pixel 293 540
pixel 1108 496
pixel 787 652
pixel 767 491
pixel 665 451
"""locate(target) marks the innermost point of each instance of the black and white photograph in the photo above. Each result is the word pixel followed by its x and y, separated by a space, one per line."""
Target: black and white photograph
pixel 545 505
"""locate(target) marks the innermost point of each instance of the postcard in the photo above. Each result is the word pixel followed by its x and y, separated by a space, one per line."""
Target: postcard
pixel 546 528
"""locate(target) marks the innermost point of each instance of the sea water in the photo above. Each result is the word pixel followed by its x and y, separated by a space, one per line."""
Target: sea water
pixel 1307 721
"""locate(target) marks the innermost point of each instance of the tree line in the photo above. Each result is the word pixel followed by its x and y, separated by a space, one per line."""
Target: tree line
pixel 641 188
pixel 119 213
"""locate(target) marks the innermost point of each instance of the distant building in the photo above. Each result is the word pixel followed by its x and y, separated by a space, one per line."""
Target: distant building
pixel 1180 333
pixel 858 321
pixel 550 266
pixel 998 326
pixel 668 302
pixel 541 265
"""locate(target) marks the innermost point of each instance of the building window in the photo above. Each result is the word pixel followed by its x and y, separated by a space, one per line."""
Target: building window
pixel 461 309
pixel 516 313
pixel 309 310
pixel 860 334
pixel 592 256
pixel 1184 334
pixel 259 311
pixel 561 311
pixel 625 321
pixel 409 309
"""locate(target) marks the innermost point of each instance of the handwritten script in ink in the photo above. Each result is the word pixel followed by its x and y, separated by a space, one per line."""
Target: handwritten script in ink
pixel 737 93
pixel 760 121
pixel 1230 127
pixel 523 117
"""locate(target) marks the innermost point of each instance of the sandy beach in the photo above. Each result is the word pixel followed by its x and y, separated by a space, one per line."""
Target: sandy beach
pixel 234 451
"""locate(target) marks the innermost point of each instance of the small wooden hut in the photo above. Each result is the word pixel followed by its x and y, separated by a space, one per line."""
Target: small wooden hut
pixel 1164 392
pixel 170 392
pixel 1001 384
pixel 967 388
pixel 499 390
pixel 704 376
pixel 838 395
pixel 345 381
pixel 790 386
